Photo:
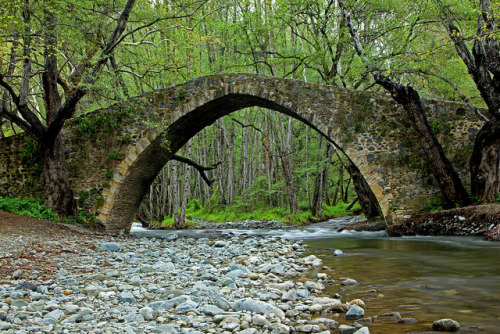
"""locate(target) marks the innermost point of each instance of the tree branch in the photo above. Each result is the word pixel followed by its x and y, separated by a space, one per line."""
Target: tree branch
pixel 246 125
pixel 199 168
pixel 455 88
pixel 30 122
pixel 66 110
pixel 17 120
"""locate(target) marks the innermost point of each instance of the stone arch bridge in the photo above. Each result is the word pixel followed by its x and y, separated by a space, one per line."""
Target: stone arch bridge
pixel 119 150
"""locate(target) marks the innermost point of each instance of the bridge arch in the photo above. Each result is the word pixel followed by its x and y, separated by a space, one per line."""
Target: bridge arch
pixel 349 119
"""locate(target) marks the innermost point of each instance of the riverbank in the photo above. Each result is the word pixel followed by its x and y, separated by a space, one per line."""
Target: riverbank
pixel 477 220
pixel 57 279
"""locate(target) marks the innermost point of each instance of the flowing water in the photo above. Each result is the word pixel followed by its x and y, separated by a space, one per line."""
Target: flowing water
pixel 425 278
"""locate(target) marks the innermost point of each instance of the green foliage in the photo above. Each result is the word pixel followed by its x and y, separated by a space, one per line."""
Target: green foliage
pixel 498 197
pixel 169 222
pixel 101 122
pixel 340 210
pixel 81 217
pixel 114 154
pixel 233 213
pixel 109 174
pixel 31 207
pixel 348 138
pixel 181 94
pixel 90 199
pixel 436 205
pixel 30 155
pixel 193 206
pixel 125 139
pixel 436 126
pixel 358 128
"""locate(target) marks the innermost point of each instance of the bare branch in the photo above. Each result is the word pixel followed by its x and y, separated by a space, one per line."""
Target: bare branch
pixel 17 120
pixel 246 125
pixel 199 168
pixel 66 110
pixel 455 88
pixel 34 126
pixel 118 41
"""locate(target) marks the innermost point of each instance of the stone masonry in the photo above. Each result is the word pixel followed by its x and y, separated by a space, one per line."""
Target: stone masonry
pixel 115 153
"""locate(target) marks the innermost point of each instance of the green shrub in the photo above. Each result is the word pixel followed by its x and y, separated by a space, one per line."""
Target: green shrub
pixel 436 126
pixel 169 222
pixel 81 217
pixel 115 155
pixel 31 207
pixel 436 205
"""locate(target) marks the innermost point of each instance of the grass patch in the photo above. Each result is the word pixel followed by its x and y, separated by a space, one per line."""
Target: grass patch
pixel 168 222
pixel 34 207
pixel 30 206
pixel 234 213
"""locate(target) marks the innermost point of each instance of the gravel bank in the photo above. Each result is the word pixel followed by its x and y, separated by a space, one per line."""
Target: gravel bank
pixel 77 283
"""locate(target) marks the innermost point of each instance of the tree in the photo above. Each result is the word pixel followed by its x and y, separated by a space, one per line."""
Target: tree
pixel 453 191
pixel 57 191
pixel 483 65
pixel 64 48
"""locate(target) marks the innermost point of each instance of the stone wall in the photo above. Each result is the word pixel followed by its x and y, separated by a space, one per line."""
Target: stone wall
pixel 20 167
pixel 115 153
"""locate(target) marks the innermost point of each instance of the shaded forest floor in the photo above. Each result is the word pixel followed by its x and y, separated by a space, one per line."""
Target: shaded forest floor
pixel 31 246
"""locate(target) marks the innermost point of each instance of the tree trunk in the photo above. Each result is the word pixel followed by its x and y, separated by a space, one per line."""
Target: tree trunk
pixel 453 191
pixel 320 182
pixel 367 199
pixel 285 153
pixel 485 163
pixel 57 191
pixel 221 157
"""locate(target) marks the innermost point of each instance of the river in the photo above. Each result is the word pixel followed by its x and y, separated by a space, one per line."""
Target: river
pixel 426 278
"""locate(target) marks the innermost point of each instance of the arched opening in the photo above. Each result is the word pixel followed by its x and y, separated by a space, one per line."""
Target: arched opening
pixel 148 164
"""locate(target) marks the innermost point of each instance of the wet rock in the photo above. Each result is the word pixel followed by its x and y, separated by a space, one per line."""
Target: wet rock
pixel 307 329
pixel 310 285
pixel 349 281
pixel 355 312
pixel 345 329
pixel 325 323
pixel 447 325
pixel 362 330
pixel 358 302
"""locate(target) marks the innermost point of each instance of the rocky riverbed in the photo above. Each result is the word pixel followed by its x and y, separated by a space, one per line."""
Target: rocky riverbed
pixel 55 280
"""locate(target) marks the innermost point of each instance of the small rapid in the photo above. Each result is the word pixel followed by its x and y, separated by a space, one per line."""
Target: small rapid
pixel 333 228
